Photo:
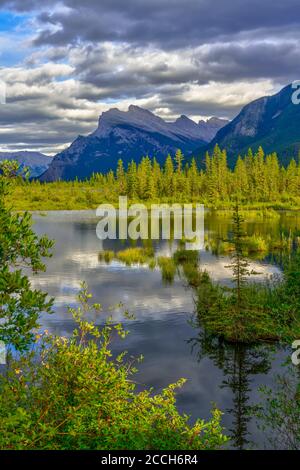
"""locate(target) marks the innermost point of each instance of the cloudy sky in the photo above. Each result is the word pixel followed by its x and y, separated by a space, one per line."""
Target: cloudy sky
pixel 65 62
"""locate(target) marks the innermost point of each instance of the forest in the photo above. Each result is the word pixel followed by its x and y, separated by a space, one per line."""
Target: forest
pixel 257 180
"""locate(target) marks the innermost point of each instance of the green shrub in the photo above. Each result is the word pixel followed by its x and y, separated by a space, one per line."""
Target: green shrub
pixel 72 394
pixel 279 414
pixel 21 253
pixel 182 256
pixel 255 244
pixel 191 274
pixel 220 314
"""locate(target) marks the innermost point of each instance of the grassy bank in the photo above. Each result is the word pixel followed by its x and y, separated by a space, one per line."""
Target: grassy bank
pixel 74 195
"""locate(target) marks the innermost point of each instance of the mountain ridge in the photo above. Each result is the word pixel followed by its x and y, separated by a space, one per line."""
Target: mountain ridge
pixel 129 135
pixel 272 122
pixel 37 162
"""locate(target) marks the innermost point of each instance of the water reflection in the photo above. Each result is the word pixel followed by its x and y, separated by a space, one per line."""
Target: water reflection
pixel 240 364
pixel 228 376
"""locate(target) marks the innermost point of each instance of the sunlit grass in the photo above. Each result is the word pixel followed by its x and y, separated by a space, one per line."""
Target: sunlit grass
pixel 135 255
pixel 168 268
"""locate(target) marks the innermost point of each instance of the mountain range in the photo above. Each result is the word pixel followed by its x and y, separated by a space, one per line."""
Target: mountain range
pixel 129 135
pixel 37 162
pixel 272 122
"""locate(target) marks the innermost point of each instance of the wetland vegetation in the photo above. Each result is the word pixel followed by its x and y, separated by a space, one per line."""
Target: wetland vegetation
pixel 242 317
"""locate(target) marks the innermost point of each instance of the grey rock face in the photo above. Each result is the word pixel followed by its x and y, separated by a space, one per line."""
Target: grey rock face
pixel 210 127
pixel 272 122
pixel 128 135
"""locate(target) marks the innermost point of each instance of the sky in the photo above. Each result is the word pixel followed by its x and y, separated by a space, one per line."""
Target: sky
pixel 64 63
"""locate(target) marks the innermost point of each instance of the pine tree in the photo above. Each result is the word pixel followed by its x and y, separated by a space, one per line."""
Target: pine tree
pixel 211 183
pixel 121 179
pixel 261 191
pixel 272 176
pixel 168 175
pixel 179 160
pixel 157 178
pixel 240 186
pixel 132 180
pixel 179 176
pixel 239 264
pixel 292 177
pixel 144 176
pixel 192 176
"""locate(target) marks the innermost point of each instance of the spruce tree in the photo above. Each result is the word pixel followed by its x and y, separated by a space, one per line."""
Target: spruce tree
pixel 20 247
pixel 239 264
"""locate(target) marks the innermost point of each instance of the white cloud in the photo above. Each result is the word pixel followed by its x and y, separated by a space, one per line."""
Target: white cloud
pixel 57 91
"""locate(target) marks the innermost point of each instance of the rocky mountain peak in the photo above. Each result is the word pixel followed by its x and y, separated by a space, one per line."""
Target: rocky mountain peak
pixel 140 119
pixel 271 122
pixel 210 127
pixel 128 135
pixel 134 117
pixel 138 110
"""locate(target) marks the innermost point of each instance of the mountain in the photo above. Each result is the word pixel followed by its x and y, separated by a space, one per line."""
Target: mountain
pixel 37 162
pixel 128 135
pixel 210 127
pixel 272 122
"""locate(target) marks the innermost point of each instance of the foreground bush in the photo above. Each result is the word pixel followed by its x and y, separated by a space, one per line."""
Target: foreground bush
pixel 279 414
pixel 71 394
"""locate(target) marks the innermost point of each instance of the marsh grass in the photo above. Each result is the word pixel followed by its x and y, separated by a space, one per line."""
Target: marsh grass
pixel 255 244
pixel 135 255
pixel 106 255
pixel 167 267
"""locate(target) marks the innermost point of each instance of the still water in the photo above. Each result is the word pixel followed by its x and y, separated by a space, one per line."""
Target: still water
pixel 162 330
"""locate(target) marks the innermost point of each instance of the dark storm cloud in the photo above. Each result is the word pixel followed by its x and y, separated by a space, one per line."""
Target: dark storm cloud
pixel 228 62
pixel 217 62
pixel 39 139
pixel 23 5
pixel 165 23
pixel 38 127
pixel 171 54
pixel 270 30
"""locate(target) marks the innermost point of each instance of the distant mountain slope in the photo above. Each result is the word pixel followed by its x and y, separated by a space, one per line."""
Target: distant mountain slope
pixel 37 162
pixel 128 135
pixel 272 122
pixel 210 128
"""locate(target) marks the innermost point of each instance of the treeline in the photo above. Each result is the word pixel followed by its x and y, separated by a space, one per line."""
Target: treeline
pixel 257 180
pixel 255 177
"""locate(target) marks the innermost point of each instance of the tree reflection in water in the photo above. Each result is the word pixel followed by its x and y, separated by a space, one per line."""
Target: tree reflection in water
pixel 239 364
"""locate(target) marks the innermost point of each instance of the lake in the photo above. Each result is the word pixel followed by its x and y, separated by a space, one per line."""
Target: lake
pixel 163 330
